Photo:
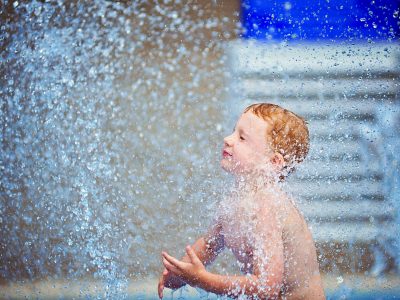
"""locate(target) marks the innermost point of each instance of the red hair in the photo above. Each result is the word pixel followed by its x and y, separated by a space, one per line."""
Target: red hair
pixel 288 133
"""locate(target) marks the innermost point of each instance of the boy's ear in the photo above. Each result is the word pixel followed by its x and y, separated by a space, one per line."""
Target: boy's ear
pixel 277 160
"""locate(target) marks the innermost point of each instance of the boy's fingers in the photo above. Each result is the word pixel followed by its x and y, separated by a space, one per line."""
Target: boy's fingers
pixel 159 290
pixel 161 287
pixel 170 267
pixel 165 272
pixel 193 257
pixel 173 260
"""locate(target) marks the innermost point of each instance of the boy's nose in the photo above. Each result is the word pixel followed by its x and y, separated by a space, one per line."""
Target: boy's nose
pixel 228 140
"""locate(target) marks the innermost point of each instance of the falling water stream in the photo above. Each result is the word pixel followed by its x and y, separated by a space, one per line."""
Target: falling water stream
pixel 109 121
pixel 112 118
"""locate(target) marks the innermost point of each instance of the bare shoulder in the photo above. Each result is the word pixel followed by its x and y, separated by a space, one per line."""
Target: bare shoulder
pixel 273 201
pixel 282 208
pixel 270 211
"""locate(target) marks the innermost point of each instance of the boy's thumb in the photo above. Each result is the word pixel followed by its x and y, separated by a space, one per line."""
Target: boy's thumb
pixel 192 254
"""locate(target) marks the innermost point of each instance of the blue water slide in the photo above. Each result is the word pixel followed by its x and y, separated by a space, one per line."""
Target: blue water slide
pixel 321 20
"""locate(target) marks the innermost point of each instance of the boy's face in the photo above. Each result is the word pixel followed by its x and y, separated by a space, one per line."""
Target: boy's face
pixel 246 149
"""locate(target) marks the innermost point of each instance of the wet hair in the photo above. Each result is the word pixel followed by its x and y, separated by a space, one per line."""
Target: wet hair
pixel 288 134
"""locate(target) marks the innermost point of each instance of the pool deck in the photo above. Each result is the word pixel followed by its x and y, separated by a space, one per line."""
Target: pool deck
pixel 147 288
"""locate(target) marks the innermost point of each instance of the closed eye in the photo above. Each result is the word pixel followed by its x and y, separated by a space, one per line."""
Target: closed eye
pixel 242 138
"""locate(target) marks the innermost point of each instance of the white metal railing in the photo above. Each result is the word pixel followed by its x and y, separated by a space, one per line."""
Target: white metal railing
pixel 339 89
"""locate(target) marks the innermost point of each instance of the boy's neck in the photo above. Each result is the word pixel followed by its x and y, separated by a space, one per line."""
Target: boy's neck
pixel 255 181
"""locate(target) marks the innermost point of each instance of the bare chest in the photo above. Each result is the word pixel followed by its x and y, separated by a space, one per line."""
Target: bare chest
pixel 239 238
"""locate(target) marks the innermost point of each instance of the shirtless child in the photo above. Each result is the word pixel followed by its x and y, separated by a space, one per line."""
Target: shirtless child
pixel 259 222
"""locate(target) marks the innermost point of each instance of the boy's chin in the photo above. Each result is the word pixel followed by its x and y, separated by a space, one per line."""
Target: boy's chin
pixel 231 167
pixel 228 165
pixel 236 169
pixel 225 167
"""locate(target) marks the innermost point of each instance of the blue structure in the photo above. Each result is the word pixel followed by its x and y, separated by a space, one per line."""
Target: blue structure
pixel 321 19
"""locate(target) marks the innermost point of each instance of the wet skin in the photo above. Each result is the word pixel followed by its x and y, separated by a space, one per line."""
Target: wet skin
pixel 300 273
pixel 261 226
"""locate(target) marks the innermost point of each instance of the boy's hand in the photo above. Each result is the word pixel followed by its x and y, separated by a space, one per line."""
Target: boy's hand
pixel 168 280
pixel 161 283
pixel 191 272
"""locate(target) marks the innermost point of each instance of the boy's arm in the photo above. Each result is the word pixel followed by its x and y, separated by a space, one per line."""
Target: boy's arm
pixel 206 248
pixel 205 251
pixel 265 282
pixel 268 264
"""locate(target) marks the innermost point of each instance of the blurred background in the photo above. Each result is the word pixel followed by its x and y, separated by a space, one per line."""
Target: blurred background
pixel 112 119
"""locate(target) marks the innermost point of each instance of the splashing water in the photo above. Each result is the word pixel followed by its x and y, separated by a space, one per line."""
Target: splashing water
pixel 102 104
pixel 109 116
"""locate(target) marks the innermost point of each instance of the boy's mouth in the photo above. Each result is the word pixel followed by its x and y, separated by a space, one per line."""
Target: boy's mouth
pixel 226 153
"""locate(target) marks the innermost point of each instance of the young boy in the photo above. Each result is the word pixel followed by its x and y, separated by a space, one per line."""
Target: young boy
pixel 259 222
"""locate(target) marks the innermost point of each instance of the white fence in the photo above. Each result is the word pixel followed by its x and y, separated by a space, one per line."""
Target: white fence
pixel 343 91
